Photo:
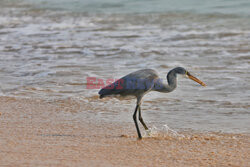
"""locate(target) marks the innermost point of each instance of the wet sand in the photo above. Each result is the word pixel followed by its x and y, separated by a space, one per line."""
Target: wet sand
pixel 63 133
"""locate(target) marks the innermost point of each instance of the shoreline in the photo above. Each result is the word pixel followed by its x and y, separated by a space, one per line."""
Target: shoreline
pixel 40 133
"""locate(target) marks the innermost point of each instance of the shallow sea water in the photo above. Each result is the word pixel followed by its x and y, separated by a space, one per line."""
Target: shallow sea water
pixel 49 48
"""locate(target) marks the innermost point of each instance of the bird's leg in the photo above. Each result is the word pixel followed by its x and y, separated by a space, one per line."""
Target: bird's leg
pixel 141 120
pixel 136 125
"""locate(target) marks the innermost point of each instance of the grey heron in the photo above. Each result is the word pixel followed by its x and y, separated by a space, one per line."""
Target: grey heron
pixel 141 82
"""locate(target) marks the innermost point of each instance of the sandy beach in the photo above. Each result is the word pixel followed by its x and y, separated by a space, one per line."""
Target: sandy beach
pixel 46 133
pixel 51 49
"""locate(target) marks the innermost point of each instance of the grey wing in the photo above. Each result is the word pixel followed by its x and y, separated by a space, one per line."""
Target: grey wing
pixel 135 83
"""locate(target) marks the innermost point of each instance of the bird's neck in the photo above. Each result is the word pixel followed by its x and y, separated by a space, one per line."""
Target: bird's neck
pixel 165 88
pixel 172 79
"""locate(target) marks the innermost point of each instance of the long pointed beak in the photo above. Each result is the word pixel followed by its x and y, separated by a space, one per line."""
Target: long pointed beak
pixel 195 79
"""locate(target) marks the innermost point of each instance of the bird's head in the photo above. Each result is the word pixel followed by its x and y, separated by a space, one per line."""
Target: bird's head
pixel 182 71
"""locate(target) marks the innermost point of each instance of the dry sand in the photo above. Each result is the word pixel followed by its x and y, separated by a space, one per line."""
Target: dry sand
pixel 40 133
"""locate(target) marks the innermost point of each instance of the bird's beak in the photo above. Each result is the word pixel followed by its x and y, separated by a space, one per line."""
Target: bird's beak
pixel 195 79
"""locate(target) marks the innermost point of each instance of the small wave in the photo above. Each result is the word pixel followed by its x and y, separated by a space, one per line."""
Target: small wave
pixel 244 57
pixel 164 132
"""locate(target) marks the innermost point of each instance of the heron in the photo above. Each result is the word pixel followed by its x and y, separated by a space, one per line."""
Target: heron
pixel 141 82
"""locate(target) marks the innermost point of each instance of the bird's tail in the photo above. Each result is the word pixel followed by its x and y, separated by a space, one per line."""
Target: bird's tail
pixel 112 89
pixel 101 96
pixel 103 92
